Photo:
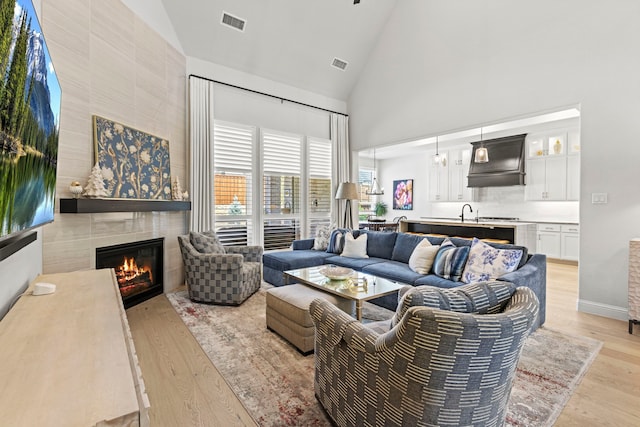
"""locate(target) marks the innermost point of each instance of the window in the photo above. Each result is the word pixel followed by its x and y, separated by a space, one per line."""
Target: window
pixel 233 182
pixel 281 162
pixel 320 189
pixel 366 202
pixel 269 190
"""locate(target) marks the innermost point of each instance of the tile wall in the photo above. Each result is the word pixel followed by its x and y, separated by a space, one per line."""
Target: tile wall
pixel 111 64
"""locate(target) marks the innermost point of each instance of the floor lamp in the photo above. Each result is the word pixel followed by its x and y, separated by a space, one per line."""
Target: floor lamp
pixel 347 191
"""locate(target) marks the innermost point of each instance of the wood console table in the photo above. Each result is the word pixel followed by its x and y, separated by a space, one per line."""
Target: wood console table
pixel 68 357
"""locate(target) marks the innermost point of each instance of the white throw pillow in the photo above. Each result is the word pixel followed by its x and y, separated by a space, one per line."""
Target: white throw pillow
pixel 486 262
pixel 422 257
pixel 355 248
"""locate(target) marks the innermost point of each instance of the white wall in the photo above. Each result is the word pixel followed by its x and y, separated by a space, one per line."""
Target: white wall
pixel 450 65
pixel 248 81
pixel 153 13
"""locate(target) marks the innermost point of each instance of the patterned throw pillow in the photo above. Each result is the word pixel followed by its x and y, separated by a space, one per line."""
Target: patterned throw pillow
pixel 321 241
pixel 206 243
pixel 336 241
pixel 355 248
pixel 486 262
pixel 423 256
pixel 450 261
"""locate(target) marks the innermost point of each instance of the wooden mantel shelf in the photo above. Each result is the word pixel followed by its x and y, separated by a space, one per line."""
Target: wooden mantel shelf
pixel 121 205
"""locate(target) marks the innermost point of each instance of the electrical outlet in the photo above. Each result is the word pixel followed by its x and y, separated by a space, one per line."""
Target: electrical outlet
pixel 598 198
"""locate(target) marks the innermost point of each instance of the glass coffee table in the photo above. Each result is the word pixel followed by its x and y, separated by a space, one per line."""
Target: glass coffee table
pixel 351 285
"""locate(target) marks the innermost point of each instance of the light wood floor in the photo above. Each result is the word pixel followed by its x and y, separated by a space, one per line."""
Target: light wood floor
pixel 185 389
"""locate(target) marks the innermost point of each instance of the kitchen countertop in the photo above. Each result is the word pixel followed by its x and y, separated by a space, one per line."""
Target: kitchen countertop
pixel 450 220
pixel 471 222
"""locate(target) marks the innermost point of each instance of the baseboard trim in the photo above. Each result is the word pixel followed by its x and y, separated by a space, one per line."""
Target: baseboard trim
pixel 605 310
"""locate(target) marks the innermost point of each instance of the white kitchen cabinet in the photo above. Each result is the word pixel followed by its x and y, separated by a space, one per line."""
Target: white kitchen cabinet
pixel 549 241
pixel 553 166
pixel 459 161
pixel 546 178
pixel 560 241
pixel 439 178
pixel 570 242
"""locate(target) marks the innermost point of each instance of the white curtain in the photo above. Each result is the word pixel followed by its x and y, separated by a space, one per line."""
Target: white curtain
pixel 341 166
pixel 201 153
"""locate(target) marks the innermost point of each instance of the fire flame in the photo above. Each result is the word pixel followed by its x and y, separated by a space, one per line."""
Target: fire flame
pixel 129 270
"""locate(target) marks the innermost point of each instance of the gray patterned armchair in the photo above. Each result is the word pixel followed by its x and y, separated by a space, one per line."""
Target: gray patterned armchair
pixel 220 275
pixel 448 360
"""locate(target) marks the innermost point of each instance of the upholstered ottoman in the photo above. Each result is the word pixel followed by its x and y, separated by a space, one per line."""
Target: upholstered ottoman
pixel 288 313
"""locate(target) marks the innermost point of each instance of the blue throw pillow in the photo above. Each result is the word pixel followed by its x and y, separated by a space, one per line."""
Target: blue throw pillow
pixel 450 261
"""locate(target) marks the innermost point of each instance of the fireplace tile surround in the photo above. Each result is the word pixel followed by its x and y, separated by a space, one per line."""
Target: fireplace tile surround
pixel 70 242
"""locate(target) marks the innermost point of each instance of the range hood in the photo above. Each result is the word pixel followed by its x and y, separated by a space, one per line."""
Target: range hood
pixel 505 166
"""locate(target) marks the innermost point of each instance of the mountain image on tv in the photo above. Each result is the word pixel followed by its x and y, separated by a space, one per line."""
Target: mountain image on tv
pixel 29 120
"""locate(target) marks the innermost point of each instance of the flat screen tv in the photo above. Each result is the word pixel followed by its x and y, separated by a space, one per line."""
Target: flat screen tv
pixel 29 121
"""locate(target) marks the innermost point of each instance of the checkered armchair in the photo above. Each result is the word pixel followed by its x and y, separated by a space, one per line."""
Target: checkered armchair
pixel 449 358
pixel 221 278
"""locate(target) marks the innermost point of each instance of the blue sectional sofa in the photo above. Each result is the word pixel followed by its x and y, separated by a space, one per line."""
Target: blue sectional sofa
pixel 389 254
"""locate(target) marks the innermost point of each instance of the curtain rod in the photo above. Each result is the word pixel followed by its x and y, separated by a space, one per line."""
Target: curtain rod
pixel 267 94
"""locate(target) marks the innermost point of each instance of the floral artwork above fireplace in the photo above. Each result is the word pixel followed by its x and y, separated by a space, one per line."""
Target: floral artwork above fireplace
pixel 134 164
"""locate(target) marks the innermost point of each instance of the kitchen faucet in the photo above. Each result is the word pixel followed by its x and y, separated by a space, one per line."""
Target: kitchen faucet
pixel 462 213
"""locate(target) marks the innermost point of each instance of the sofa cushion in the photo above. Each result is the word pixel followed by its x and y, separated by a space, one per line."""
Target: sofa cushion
pixel 450 261
pixel 355 263
pixel 422 258
pixel 404 246
pixel 467 242
pixel 393 270
pixel 355 247
pixel 289 260
pixel 480 298
pixel 321 241
pixel 486 262
pixel 206 243
pixel 380 244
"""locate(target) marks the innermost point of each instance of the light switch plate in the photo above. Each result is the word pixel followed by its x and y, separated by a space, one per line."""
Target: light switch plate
pixel 598 198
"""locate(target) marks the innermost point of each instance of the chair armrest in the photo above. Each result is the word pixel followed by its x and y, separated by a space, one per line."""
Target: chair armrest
pixel 532 275
pixel 214 262
pixel 335 325
pixel 250 253
pixel 303 244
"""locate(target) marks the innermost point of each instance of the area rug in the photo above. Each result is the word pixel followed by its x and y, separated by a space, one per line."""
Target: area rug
pixel 274 382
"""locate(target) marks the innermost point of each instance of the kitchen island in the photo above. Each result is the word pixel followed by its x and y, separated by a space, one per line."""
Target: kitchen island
pixel 519 233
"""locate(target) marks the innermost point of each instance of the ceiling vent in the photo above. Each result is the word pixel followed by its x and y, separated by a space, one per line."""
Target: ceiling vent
pixel 339 63
pixel 233 21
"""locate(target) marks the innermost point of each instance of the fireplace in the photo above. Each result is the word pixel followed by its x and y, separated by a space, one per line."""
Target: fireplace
pixel 138 267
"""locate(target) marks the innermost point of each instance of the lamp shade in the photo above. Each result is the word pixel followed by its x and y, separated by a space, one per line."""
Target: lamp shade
pixel 347 191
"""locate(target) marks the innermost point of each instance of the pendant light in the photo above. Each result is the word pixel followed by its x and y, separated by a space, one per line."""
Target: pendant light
pixel 437 159
pixel 482 155
pixel 375 187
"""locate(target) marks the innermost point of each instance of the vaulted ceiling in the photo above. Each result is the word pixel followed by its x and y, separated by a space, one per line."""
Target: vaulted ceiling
pixel 288 41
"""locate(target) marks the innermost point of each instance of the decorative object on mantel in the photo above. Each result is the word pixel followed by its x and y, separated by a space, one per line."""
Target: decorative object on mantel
pixel 76 189
pixel 634 283
pixel 135 164
pixel 185 195
pixel 176 189
pixel 95 184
